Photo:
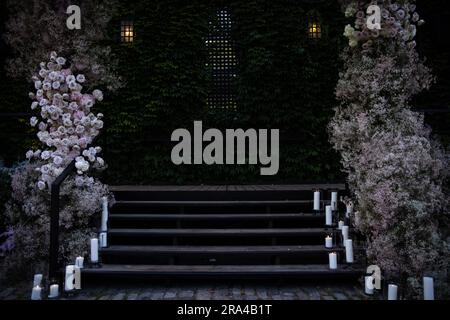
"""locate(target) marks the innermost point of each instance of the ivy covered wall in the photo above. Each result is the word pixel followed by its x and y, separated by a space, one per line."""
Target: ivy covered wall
pixel 284 80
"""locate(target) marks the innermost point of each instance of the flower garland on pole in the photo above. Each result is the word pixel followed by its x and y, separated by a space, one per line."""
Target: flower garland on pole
pixel 396 171
pixel 66 125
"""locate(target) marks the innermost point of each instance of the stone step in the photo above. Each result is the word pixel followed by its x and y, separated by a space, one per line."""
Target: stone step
pixel 321 272
pixel 268 232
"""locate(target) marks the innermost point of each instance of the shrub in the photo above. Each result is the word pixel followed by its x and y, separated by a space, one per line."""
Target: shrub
pixel 28 217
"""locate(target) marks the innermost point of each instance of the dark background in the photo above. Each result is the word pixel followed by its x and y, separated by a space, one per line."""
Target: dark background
pixel 284 80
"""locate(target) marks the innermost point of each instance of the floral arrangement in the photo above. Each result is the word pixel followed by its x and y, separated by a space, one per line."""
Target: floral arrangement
pixel 396 171
pixel 66 128
pixel 66 125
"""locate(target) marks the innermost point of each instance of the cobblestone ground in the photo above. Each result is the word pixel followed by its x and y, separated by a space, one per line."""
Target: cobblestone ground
pixel 204 291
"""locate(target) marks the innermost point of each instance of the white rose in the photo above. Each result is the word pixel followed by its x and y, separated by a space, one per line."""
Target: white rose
pixel 61 61
pixel 46 155
pixel 81 78
pixel 37 85
pixel 29 154
pixel 57 160
pixel 98 95
pixel 100 161
pixel 33 121
pixel 72 86
pixel 82 165
pixel 56 85
pixel 98 124
pixel 70 78
pixel 41 185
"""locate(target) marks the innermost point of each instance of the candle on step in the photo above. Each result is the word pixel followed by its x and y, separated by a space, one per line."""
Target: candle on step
pixel 334 203
pixel 341 224
pixel 368 285
pixel 77 278
pixel 79 262
pixel 69 278
pixel 328 216
pixel 103 240
pixel 333 260
pixel 349 210
pixel 36 293
pixel 428 288
pixel 392 292
pixel 37 281
pixel 349 250
pixel 328 242
pixel 104 225
pixel 94 250
pixel 54 291
pixel 345 231
pixel 317 200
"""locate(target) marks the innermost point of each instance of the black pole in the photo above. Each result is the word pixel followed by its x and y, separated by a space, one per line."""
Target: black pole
pixel 54 232
pixel 54 220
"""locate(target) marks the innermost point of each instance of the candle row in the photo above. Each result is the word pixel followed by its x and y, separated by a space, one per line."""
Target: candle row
pixel 73 272
pixel 36 293
pixel 334 200
pixel 428 288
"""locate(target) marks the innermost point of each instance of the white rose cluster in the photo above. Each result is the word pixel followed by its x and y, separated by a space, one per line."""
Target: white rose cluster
pixel 66 124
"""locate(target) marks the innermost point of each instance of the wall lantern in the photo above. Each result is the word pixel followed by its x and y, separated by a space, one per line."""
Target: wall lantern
pixel 314 28
pixel 127 33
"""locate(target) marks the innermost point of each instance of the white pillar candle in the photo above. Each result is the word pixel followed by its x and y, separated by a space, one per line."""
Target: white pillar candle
pixel 103 240
pixel 104 225
pixel 334 203
pixel 36 293
pixel 77 278
pixel 349 210
pixel 70 278
pixel 341 224
pixel 333 260
pixel 428 288
pixel 345 232
pixel 392 292
pixel 94 250
pixel 328 242
pixel 368 285
pixel 79 262
pixel 54 291
pixel 328 216
pixel 349 250
pixel 37 281
pixel 317 200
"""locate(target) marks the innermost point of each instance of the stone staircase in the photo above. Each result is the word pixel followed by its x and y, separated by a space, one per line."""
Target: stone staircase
pixel 220 232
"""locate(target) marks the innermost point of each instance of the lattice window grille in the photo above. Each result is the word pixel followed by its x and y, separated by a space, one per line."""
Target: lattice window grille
pixel 222 61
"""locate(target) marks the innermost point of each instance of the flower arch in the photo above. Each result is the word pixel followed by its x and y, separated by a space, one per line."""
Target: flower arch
pixel 396 171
